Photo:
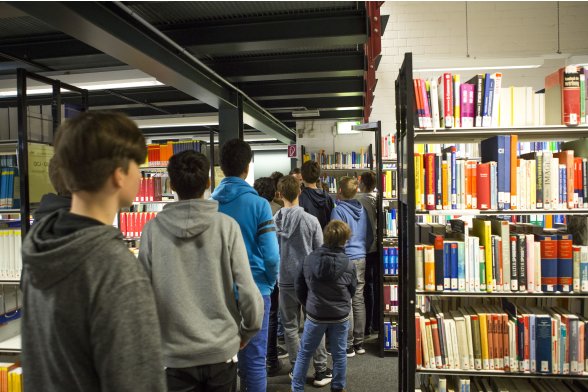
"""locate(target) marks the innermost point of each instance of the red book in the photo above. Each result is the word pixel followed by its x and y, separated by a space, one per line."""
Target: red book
pixel 419 349
pixel 498 351
pixel 150 189
pixel 137 224
pixel 142 189
pixel 491 352
pixel 567 158
pixel 418 103
pixel 527 344
pixel 475 185
pixel 123 223
pixel 483 186
pixel 447 99
pixel 562 97
pixel 436 345
pixel 430 177
pixel 387 304
pixel 468 183
pixel 505 342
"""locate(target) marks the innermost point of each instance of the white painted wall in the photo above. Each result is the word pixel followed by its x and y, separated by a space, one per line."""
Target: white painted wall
pixel 267 162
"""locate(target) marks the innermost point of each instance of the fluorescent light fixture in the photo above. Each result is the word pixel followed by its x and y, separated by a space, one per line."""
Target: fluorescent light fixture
pixel 87 86
pixel 481 68
pixel 306 113
pixel 170 122
pixel 346 127
pixel 447 64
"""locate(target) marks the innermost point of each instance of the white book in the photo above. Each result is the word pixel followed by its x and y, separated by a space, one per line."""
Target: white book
pixel 576 260
pixel 432 364
pixel 435 104
pixel 529 106
pixel 496 99
pixel 419 267
pixel 555 204
pixel 476 263
pixel 536 109
pixel 468 324
pixel 449 344
pixel 506 107
pixel 6 270
pixel 519 106
pixel 462 342
pixel 455 344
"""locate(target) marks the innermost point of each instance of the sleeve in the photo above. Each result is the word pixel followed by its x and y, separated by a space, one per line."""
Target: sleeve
pixel 317 239
pixel 300 286
pixel 126 338
pixel 268 243
pixel 250 300
pixel 353 284
pixel 335 214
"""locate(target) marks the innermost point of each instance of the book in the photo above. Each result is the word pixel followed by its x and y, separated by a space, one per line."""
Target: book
pixel 562 97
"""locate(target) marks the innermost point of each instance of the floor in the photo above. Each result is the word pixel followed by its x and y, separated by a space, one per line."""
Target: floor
pixel 366 372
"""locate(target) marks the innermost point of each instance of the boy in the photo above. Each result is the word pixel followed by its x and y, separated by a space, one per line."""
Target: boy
pixel 240 201
pixel 52 202
pixel 315 201
pixel 325 285
pixel 194 256
pixel 299 233
pixel 351 212
pixel 90 321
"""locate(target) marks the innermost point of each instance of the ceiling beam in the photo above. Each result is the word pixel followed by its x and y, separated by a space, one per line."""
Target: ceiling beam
pixel 313 87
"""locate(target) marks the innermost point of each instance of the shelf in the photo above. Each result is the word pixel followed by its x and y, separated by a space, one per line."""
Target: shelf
pixel 10 281
pixel 390 237
pixel 153 167
pixel 12 345
pixel 346 170
pixel 390 198
pixel 131 238
pixel 390 276
pixel 9 211
pixel 572 211
pixel 473 135
pixel 395 314
pixel 389 160
pixel 153 202
pixel 500 294
pixel 500 373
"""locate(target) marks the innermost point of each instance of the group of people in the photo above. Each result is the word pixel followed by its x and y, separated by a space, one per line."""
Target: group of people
pixel 201 304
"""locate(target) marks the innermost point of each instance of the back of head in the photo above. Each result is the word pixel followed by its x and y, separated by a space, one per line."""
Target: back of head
pixel 294 171
pixel 265 187
pixel 336 234
pixel 235 158
pixel 90 147
pixel 368 181
pixel 348 187
pixel 56 178
pixel 275 176
pixel 189 174
pixel 289 188
pixel 311 172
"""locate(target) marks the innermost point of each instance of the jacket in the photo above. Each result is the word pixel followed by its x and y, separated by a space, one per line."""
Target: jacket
pixel 299 234
pixel 352 213
pixel 368 202
pixel 317 203
pixel 240 201
pixel 325 284
pixel 90 321
pixel 194 256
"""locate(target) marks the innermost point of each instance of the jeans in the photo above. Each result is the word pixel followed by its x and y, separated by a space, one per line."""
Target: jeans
pixel 371 292
pixel 290 311
pixel 311 338
pixel 220 377
pixel 357 315
pixel 252 369
pixel 272 335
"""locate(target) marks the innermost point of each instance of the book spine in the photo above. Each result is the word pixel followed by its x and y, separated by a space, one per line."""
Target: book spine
pixel 565 263
pixel 571 96
pixel 453 179
pixel 576 260
pixel 486 119
pixel 430 181
pixel 549 263
pixel 585 182
pixel 448 100
pixel 479 100
pixel 438 182
pixel 522 260
pixel 539 179
pixel 457 108
pixel 514 264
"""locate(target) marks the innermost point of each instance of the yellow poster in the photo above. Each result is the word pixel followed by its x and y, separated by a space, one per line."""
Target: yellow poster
pixel 39 184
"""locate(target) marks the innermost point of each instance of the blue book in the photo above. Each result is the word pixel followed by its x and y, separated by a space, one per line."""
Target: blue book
pixel 454 266
pixel 493 187
pixel 494 149
pixel 549 262
pixel 543 343
pixel 395 261
pixel 491 100
pixel 387 261
pixel 461 266
pixel 446 265
pixel 563 189
pixel 486 116
pixel 565 263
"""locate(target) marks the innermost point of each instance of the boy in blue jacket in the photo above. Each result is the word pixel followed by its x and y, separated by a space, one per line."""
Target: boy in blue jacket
pixel 352 212
pixel 240 201
pixel 325 284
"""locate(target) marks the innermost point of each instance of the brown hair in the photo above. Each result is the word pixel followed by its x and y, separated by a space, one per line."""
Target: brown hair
pixel 336 234
pixel 289 188
pixel 368 180
pixel 310 171
pixel 91 146
pixel 56 178
pixel 348 187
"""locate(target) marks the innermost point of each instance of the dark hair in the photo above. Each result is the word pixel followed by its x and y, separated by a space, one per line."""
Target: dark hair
pixel 275 176
pixel 91 146
pixel 188 174
pixel 368 180
pixel 296 170
pixel 235 157
pixel 336 234
pixel 265 187
pixel 289 188
pixel 311 171
pixel 348 187
pixel 56 178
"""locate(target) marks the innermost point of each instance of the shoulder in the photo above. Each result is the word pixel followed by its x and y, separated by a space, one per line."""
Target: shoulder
pixel 311 220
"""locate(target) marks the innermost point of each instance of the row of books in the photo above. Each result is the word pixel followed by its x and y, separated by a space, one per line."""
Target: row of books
pixel 10 245
pixel 131 223
pixel 391 298
pixel 497 384
pixel 147 207
pixel 390 334
pixel 9 160
pixel 389 184
pixel 509 337
pixel 159 154
pixel 390 260
pixel 498 256
pixel 389 147
pixel 471 150
pixel 9 188
pixel 503 180
pixel 341 160
pixel 330 181
pixel 11 377
pixel 153 187
pixel 391 229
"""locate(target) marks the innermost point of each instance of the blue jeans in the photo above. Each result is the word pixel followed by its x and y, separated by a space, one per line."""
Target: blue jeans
pixel 252 370
pixel 311 338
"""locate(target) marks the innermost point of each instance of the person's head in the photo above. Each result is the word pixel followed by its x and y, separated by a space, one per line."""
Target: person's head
pixel 56 178
pixel 275 176
pixel 100 152
pixel 310 171
pixel 265 187
pixel 368 182
pixel 296 173
pixel 189 174
pixel 336 234
pixel 235 158
pixel 347 188
pixel 289 188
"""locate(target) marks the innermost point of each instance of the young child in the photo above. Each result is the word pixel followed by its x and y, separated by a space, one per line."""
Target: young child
pixel 315 201
pixel 351 212
pixel 194 256
pixel 90 322
pixel 299 234
pixel 325 285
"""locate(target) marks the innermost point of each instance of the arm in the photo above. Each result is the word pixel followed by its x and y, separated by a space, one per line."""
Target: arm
pixel 335 215
pixel 250 300
pixel 317 238
pixel 300 286
pixel 145 249
pixel 369 232
pixel 353 284
pixel 268 242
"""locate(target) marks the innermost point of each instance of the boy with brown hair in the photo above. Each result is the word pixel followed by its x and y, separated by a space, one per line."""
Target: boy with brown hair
pixel 90 322
pixel 299 233
pixel 315 201
pixel 352 212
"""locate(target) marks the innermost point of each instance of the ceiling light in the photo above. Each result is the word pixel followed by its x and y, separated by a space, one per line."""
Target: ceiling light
pixel 478 68
pixel 169 122
pixel 87 86
pixel 346 127
pixel 306 113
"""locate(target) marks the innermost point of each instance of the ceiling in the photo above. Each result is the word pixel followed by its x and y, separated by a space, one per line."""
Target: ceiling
pixel 287 56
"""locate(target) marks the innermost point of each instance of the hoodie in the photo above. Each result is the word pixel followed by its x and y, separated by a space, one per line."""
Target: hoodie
pixel 50 203
pixel 240 201
pixel 368 202
pixel 195 256
pixel 325 284
pixel 317 203
pixel 89 321
pixel 352 213
pixel 299 234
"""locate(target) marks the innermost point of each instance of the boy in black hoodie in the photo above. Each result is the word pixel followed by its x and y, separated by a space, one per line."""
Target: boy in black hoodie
pixel 325 285
pixel 315 201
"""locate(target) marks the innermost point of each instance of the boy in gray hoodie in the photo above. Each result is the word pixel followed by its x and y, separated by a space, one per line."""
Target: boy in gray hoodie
pixel 299 233
pixel 195 256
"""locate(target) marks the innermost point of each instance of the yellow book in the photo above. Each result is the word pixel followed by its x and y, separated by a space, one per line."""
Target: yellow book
pixel 429 257
pixel 484 338
pixel 483 230
pixel 389 184
pixel 444 179
pixel 417 181
pixel 456 101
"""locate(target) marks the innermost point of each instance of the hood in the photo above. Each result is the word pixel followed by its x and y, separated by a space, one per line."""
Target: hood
pixel 351 207
pixel 231 188
pixel 288 221
pixel 50 203
pixel 48 258
pixel 187 218
pixel 318 197
pixel 330 264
